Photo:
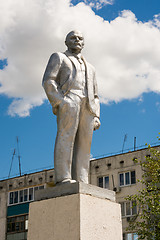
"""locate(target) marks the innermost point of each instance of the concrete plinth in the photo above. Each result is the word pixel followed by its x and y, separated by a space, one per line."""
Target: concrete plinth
pixel 82 212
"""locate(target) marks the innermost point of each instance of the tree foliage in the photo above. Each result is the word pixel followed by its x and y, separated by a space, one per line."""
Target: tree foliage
pixel 147 221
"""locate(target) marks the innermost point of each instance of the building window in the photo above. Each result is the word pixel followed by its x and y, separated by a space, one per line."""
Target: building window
pixel 21 196
pixel 128 208
pixel 35 188
pixel 15 197
pixel 41 187
pixel 130 236
pixel 30 194
pixel 11 198
pixel 127 178
pixel 17 224
pixel 25 195
pixel 103 182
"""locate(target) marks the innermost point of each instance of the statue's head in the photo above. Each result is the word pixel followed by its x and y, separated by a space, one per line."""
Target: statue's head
pixel 74 41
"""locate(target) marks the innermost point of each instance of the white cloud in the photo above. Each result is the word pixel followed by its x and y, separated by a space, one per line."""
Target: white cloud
pixel 125 52
pixel 98 4
pixel 22 107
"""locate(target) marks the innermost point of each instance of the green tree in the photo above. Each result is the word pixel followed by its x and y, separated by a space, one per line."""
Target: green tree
pixel 147 221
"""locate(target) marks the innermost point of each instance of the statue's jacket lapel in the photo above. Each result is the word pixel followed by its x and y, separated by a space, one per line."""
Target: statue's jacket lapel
pixel 91 86
pixel 70 69
pixel 89 79
pixel 90 76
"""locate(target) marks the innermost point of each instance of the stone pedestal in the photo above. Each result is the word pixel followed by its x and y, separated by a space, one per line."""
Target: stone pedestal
pixel 75 211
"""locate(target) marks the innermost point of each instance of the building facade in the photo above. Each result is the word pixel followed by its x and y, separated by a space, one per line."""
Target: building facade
pixel 118 173
pixel 15 197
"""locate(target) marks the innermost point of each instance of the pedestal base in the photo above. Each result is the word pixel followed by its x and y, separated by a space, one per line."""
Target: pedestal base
pixel 76 216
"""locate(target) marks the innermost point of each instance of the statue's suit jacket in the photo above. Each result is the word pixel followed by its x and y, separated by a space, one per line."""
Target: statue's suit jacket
pixel 58 78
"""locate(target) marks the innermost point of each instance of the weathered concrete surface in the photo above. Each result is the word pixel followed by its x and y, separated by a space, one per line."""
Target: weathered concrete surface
pixel 100 219
pixel 55 219
pixel 3 211
pixel 2 228
pixel 74 188
pixel 77 216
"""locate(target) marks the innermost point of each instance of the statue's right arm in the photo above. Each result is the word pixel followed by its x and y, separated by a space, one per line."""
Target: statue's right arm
pixel 50 80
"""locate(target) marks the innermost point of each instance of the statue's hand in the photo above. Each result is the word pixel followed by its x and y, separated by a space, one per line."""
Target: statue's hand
pixel 56 106
pixel 54 110
pixel 97 123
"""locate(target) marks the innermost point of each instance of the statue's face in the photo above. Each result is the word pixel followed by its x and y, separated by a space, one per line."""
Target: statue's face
pixel 75 41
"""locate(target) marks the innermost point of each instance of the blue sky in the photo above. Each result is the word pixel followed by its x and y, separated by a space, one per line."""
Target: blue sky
pixel 129 85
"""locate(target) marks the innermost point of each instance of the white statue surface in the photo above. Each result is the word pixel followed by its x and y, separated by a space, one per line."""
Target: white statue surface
pixel 70 85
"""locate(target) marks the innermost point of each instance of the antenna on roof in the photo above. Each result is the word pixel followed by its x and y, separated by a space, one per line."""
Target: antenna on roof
pixel 125 139
pixel 19 158
pixel 14 152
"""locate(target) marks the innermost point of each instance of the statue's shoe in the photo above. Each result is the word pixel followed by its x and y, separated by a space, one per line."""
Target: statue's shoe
pixel 67 180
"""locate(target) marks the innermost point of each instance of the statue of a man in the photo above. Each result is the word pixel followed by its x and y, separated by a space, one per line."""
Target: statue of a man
pixel 70 84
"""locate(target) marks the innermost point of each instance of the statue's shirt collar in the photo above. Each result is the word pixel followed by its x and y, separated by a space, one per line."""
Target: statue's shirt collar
pixel 77 56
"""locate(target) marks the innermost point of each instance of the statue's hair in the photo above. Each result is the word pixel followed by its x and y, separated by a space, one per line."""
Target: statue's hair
pixel 70 33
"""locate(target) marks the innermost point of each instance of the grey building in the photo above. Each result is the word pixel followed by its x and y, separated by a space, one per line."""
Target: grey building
pixel 118 173
pixel 15 197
